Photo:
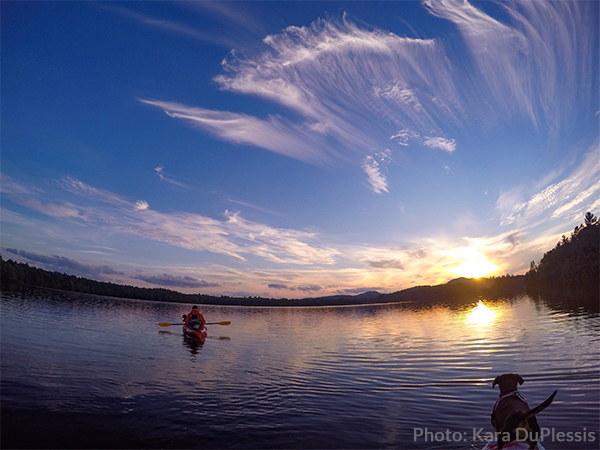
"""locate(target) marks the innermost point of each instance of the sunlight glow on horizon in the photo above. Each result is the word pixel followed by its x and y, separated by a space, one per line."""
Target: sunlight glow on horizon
pixel 474 265
pixel 325 149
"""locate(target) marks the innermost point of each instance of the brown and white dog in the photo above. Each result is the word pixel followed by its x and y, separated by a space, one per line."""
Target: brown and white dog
pixel 512 418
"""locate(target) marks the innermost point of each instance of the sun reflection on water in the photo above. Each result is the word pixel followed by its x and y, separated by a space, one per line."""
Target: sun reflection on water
pixel 481 315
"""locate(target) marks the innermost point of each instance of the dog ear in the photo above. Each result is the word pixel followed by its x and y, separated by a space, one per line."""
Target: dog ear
pixel 496 380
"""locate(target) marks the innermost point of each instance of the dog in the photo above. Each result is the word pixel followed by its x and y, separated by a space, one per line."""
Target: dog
pixel 511 416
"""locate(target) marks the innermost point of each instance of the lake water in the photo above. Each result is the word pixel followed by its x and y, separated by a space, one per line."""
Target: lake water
pixel 91 372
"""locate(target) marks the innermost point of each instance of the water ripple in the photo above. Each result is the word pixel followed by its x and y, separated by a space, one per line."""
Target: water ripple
pixel 300 378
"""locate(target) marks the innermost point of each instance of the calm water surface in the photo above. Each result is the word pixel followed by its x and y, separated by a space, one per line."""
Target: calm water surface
pixel 92 372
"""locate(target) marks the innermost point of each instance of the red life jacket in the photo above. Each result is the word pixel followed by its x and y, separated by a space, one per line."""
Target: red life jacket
pixel 194 314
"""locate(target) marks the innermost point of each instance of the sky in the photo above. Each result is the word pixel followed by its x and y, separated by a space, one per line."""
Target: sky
pixel 296 149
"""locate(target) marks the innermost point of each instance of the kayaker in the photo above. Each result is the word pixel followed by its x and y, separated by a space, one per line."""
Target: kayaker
pixel 195 319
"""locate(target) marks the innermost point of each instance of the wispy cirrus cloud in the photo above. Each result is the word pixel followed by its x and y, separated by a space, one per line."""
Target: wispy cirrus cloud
pixel 233 15
pixel 537 64
pixel 70 266
pixel 349 88
pixel 233 236
pixel 303 264
pixel 255 207
pixel 448 145
pixel 371 166
pixel 167 178
pixel 551 199
pixel 275 134
pixel 170 26
pixel 35 199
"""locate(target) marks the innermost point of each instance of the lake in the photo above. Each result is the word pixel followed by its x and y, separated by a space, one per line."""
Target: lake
pixel 93 372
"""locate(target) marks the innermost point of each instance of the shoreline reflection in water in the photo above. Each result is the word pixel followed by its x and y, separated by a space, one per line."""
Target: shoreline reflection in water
pixel 343 377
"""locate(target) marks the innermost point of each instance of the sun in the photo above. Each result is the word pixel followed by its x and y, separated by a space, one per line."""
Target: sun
pixel 474 265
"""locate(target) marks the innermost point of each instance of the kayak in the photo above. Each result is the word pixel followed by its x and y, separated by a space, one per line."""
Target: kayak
pixel 195 334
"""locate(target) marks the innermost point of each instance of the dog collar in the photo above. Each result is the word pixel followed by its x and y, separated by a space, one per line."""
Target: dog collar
pixel 510 394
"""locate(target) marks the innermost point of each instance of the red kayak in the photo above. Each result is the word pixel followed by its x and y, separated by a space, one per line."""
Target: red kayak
pixel 195 334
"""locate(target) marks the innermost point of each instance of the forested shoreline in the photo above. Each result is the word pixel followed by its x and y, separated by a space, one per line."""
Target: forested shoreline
pixel 570 270
pixel 20 277
pixel 572 267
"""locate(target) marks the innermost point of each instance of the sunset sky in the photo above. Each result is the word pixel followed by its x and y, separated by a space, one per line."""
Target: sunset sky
pixel 296 149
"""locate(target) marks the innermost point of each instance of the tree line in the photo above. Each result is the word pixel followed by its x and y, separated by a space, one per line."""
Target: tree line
pixel 21 277
pixel 572 267
pixel 15 276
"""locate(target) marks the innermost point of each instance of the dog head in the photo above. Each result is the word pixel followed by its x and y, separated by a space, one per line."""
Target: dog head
pixel 507 382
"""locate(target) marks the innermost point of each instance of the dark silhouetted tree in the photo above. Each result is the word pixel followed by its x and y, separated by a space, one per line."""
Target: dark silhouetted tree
pixel 572 267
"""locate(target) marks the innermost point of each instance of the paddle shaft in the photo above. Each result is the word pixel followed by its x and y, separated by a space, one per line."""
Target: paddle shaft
pixel 168 324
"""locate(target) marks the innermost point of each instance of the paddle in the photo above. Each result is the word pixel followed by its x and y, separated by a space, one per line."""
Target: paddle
pixel 168 324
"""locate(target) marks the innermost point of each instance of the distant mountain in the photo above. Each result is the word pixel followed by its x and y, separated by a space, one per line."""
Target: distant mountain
pixel 369 294
pixel 21 277
pixel 460 280
pixel 460 291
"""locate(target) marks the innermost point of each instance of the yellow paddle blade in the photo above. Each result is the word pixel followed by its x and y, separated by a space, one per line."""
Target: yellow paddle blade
pixel 166 324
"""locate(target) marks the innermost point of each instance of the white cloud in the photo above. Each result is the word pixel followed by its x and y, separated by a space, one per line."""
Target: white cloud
pixel 371 166
pixel 402 137
pixel 77 187
pixel 232 15
pixel 580 197
pixel 300 259
pixel 160 172
pixel 349 89
pixel 376 179
pixel 235 236
pixel 275 134
pixel 447 145
pixel 276 244
pixel 34 199
pixel 572 194
pixel 168 26
pixel 399 93
pixel 509 204
pixel 537 65
pixel 318 127
pixel 141 205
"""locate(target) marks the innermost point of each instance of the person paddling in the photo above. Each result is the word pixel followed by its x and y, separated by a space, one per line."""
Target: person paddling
pixel 194 319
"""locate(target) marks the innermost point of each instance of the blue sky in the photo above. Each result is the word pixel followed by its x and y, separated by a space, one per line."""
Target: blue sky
pixel 296 149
